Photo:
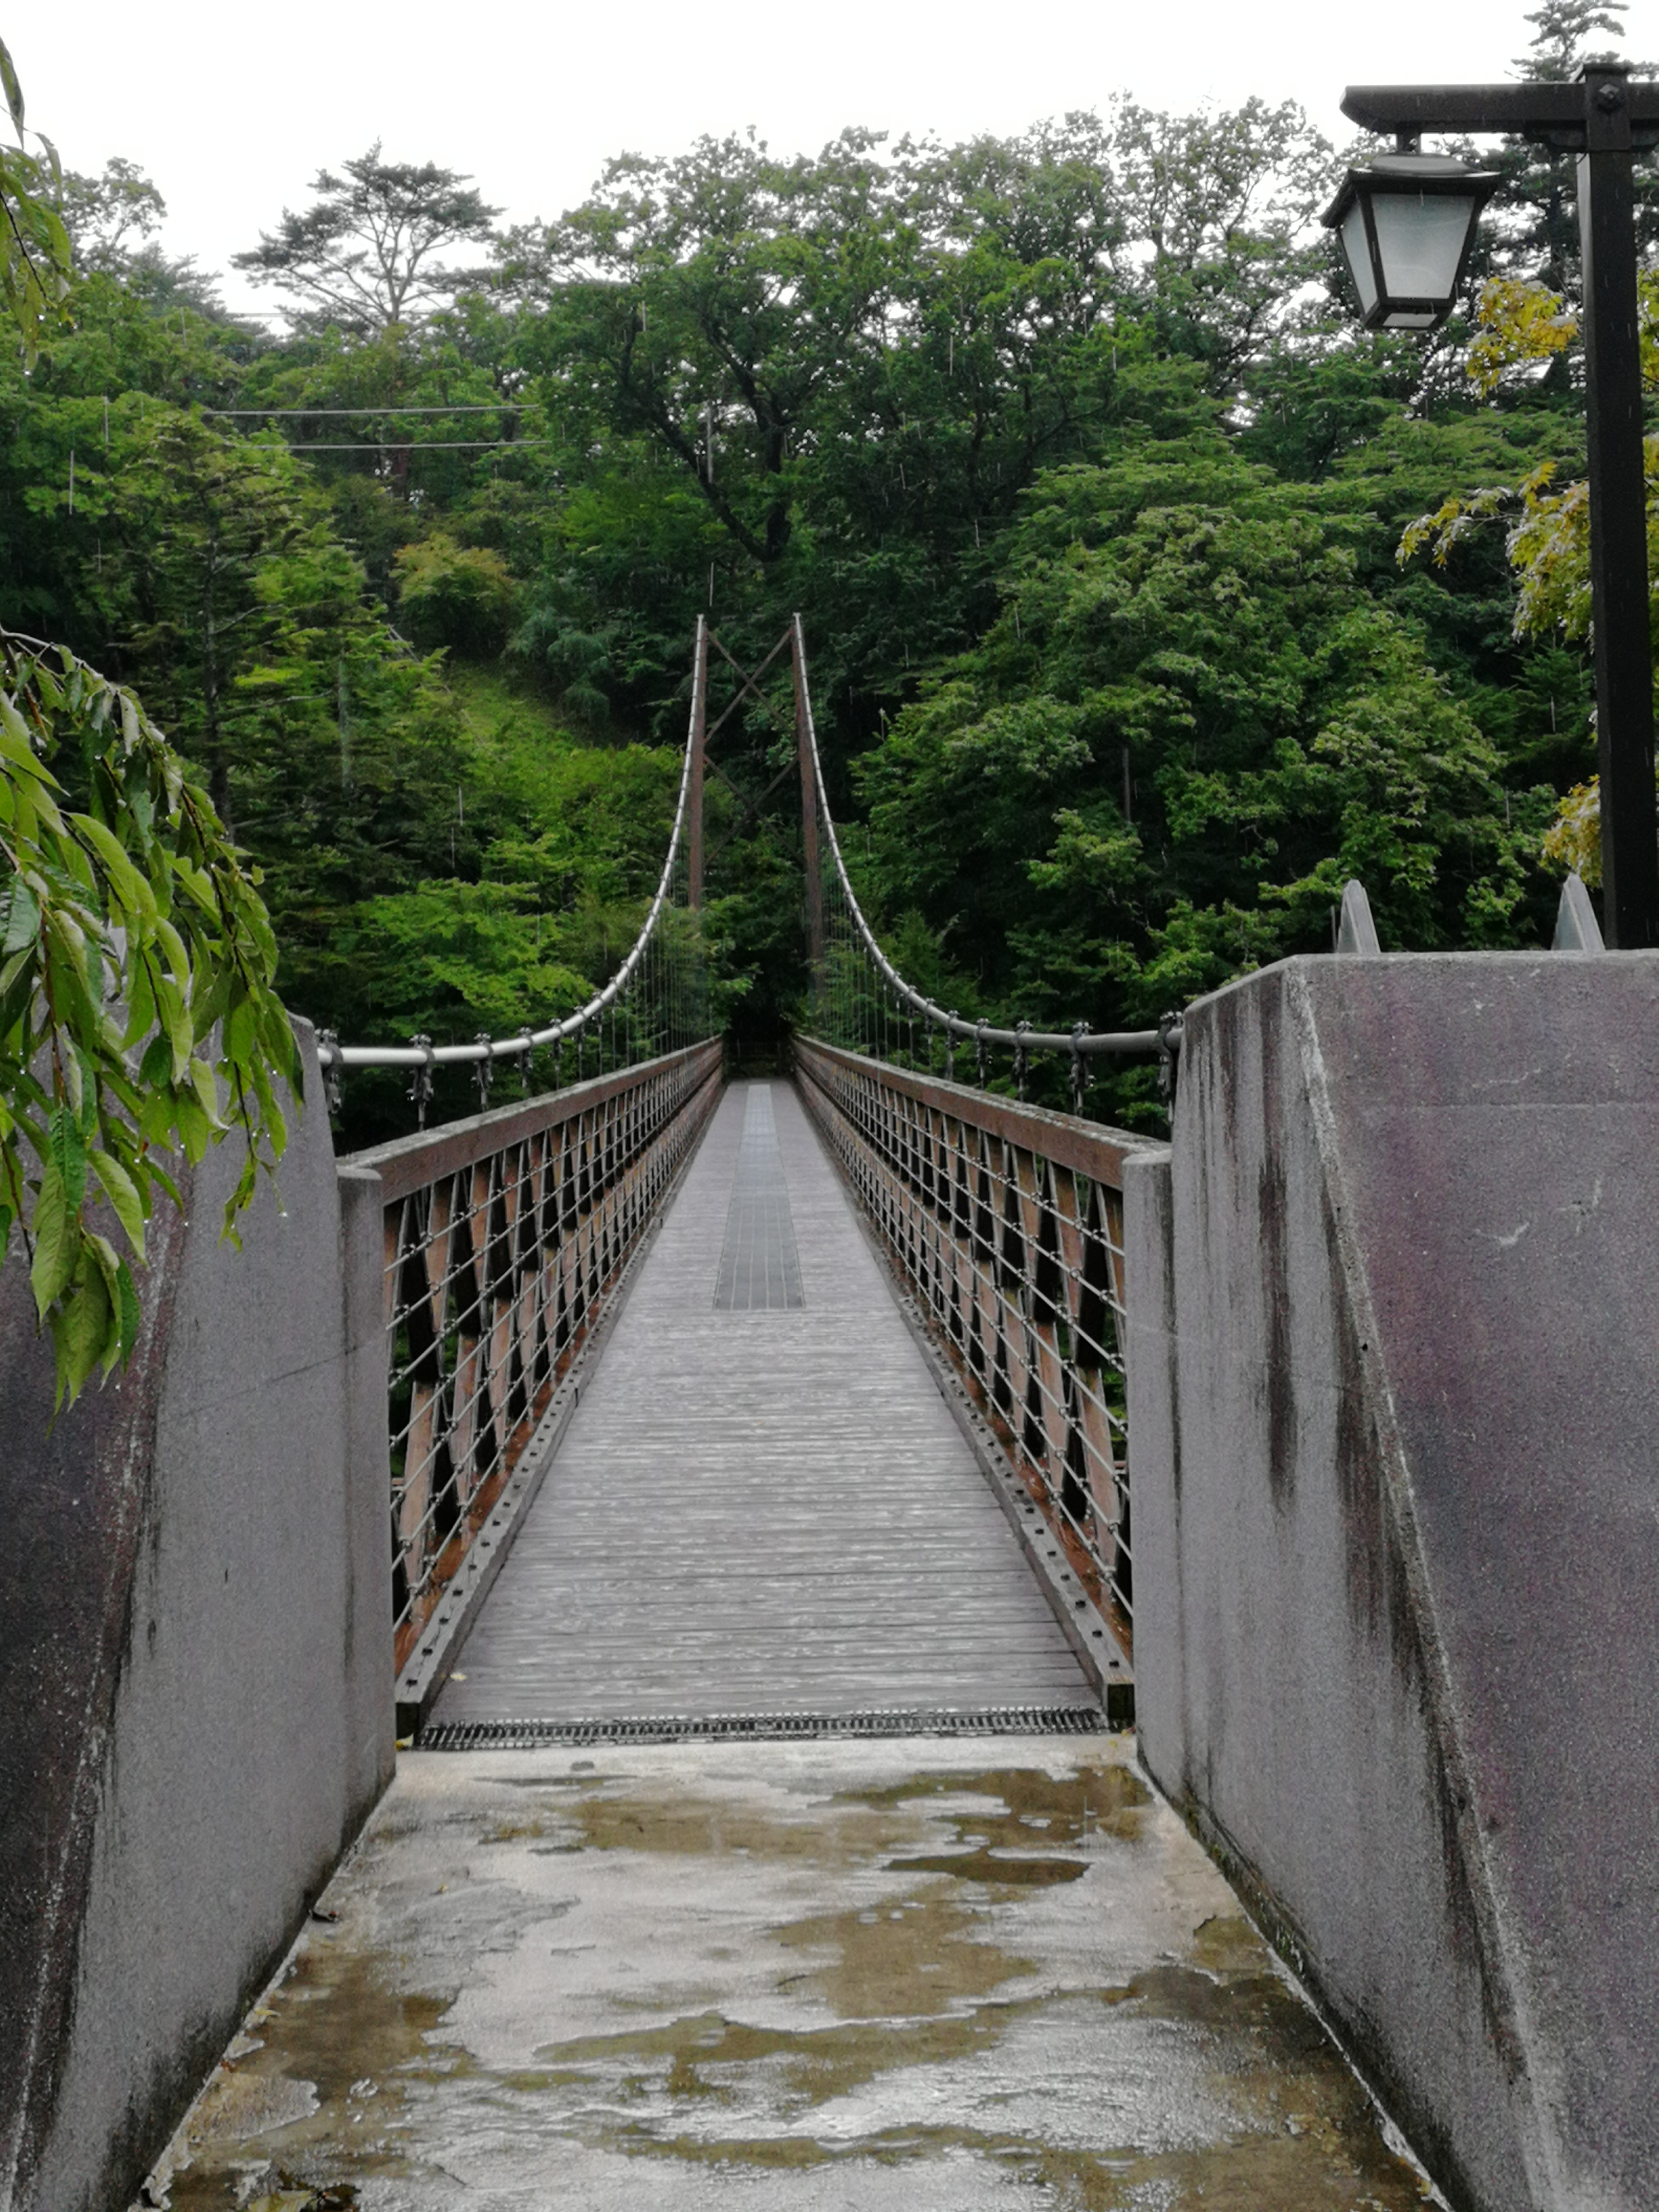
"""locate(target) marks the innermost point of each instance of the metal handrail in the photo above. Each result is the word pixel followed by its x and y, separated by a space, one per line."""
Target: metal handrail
pixel 507 1235
pixel 1004 1224
pixel 331 1053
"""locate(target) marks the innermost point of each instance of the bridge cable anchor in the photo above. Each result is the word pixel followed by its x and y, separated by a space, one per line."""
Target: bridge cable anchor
pixel 420 1087
pixel 328 1052
pixel 1170 1033
pixel 1079 1067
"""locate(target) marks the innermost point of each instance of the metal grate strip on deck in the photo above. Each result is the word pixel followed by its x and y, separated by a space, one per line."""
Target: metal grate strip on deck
pixel 529 1735
pixel 760 1266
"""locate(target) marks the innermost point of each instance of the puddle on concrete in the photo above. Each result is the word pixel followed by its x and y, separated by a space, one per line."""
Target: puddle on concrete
pixel 1019 1870
pixel 847 1976
pixel 696 1827
pixel 1262 2175
pixel 320 2091
pixel 709 2057
pixel 909 1955
pixel 1018 1811
pixel 1027 1806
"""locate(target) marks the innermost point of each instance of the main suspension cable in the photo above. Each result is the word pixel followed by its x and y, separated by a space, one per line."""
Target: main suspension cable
pixel 484 1049
pixel 1080 1042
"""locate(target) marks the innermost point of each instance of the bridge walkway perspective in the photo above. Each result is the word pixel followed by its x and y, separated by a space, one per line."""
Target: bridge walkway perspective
pixel 889 1972
pixel 589 1664
pixel 762 1503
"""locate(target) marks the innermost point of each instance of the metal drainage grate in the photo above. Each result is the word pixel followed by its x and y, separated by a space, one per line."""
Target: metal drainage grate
pixel 759 1267
pixel 994 1720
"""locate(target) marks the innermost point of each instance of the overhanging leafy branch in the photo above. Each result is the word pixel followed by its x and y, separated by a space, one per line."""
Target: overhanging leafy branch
pixel 138 1019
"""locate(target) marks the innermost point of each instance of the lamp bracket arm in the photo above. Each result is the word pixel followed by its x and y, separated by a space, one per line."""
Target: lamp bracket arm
pixel 1565 115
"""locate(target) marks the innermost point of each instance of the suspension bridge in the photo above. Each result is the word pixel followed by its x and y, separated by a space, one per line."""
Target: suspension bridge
pixel 794 1457
pixel 760 1505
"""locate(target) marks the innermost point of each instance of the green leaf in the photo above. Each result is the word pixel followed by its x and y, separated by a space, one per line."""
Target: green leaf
pixel 141 1005
pixel 163 1180
pixel 22 918
pixel 94 968
pixel 128 885
pixel 14 91
pixel 240 1028
pixel 175 1021
pixel 209 1007
pixel 129 1314
pixel 16 992
pixel 67 1148
pixel 195 1129
pixel 82 1327
pixel 57 1234
pixel 123 1194
pixel 207 1090
pixel 156 1066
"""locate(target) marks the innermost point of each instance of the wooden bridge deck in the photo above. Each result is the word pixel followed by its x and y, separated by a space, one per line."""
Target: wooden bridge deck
pixel 762 1504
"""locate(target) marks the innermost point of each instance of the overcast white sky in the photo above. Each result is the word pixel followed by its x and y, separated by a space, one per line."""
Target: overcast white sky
pixel 232 108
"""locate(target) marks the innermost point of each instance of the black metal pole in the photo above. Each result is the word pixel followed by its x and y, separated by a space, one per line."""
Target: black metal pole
pixel 1610 117
pixel 1618 517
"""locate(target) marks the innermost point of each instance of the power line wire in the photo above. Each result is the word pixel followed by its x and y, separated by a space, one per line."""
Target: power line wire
pixel 470 407
pixel 420 445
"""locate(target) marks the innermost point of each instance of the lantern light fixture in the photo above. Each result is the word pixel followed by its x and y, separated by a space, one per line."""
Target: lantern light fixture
pixel 1406 222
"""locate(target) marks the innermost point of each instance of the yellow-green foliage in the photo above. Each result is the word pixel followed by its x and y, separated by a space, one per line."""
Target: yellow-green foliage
pixel 1523 324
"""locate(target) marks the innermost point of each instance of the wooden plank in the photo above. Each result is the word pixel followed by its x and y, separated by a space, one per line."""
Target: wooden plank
pixel 761 1511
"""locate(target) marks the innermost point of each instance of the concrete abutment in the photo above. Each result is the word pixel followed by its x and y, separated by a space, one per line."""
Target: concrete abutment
pixel 1394 1393
pixel 196 1671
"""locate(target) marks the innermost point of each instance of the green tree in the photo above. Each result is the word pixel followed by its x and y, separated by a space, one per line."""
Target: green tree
pixel 854 364
pixel 1531 230
pixel 456 595
pixel 1190 724
pixel 708 301
pixel 110 218
pixel 365 254
pixel 136 1016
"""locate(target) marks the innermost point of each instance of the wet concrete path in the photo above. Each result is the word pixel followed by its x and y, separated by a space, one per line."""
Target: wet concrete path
pixel 915 1976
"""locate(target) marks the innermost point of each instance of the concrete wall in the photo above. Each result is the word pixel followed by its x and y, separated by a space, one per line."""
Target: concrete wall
pixel 1394 1396
pixel 194 1662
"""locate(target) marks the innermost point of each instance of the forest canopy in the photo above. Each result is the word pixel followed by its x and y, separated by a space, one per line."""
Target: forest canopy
pixel 1086 482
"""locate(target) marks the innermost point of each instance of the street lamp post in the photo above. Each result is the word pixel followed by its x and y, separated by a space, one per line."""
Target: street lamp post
pixel 1406 223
